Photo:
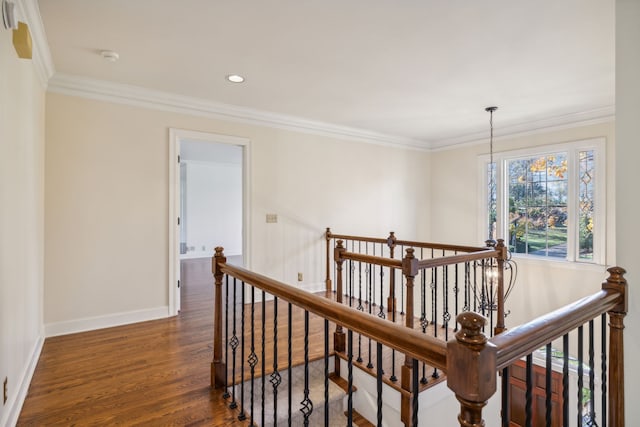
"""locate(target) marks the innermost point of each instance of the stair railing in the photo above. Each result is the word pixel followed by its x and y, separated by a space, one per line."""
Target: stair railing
pixel 471 360
pixel 235 341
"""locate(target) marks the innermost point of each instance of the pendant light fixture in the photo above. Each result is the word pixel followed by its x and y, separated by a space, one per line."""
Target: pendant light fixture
pixel 487 294
pixel 492 180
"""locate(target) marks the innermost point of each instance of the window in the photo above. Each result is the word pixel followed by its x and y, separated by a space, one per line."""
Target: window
pixel 548 202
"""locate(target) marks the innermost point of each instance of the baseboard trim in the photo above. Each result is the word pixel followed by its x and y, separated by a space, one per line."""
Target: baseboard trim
pixel 107 321
pixel 15 407
pixel 314 287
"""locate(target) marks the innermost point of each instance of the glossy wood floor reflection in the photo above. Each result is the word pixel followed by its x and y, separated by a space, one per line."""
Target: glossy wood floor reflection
pixel 152 373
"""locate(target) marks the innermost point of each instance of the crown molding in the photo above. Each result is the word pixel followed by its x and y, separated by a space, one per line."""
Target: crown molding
pixel 84 87
pixel 550 124
pixel 42 60
pixel 137 96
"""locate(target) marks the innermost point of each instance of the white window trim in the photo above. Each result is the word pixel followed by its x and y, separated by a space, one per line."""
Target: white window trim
pixel 600 199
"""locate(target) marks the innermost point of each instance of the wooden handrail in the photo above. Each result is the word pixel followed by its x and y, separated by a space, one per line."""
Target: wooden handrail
pixel 371 259
pixel 415 244
pixel 422 347
pixel 357 238
pixel 455 259
pixel 516 343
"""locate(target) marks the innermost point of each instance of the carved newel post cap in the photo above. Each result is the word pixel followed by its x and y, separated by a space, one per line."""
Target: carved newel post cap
pixel 471 329
pixel 410 252
pixel 391 240
pixel 219 251
pixel 339 244
pixel 616 274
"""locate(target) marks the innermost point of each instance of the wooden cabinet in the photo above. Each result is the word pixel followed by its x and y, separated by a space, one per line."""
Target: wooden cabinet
pixel 518 390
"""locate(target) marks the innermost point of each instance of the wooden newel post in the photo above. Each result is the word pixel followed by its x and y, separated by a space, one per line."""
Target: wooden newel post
pixel 327 280
pixel 218 368
pixel 471 368
pixel 500 326
pixel 410 271
pixel 617 283
pixel 391 300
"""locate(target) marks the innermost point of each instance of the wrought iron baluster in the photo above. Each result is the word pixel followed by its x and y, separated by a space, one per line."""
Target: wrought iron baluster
pixel 565 380
pixel 350 378
pixel 456 294
pixel 352 278
pixel 603 364
pixel 360 307
pixel 381 312
pixel 379 381
pixel 275 379
pixel 506 404
pixel 547 382
pixel 370 300
pixel 393 377
pixel 424 323
pixel 253 358
pixel 592 377
pixel 226 337
pixel 402 285
pixel 483 293
pixel 434 307
pixel 467 286
pixel 326 373
pixel 446 316
pixel 580 374
pixel 415 389
pixel 289 357
pixel 234 345
pixel 262 356
pixel 528 415
pixel 491 299
pixel 307 404
pixel 475 286
pixel 242 416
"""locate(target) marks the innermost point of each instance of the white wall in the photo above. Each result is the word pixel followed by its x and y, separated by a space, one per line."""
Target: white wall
pixel 213 207
pixel 107 200
pixel 542 286
pixel 21 224
pixel 628 178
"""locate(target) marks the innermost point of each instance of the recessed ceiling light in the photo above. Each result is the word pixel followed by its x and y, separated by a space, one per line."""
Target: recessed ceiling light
pixel 110 55
pixel 235 78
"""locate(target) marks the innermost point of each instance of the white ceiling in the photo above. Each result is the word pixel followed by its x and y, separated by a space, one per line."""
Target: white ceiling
pixel 420 70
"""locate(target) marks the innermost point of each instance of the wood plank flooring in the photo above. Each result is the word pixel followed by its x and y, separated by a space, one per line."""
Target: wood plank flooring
pixel 152 373
pixel 157 372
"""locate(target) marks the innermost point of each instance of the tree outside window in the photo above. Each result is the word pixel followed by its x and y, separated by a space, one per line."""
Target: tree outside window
pixel 546 203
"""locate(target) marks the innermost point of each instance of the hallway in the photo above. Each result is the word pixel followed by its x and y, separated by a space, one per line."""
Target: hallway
pixel 152 373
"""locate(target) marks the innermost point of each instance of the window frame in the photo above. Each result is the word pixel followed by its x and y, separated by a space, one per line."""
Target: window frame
pixel 572 149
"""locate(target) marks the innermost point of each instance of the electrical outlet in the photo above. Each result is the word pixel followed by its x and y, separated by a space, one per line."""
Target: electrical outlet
pixel 5 390
pixel 299 277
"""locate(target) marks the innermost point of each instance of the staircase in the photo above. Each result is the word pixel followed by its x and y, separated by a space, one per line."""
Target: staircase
pixel 337 398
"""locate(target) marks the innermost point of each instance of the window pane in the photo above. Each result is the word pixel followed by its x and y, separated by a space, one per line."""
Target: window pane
pixel 538 205
pixel 586 176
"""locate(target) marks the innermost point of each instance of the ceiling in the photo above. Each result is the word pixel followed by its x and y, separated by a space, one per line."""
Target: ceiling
pixel 416 70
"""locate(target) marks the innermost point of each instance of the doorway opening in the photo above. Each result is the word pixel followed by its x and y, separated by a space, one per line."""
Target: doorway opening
pixel 208 198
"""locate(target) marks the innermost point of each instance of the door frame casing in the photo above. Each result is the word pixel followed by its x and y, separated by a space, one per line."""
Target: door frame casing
pixel 175 138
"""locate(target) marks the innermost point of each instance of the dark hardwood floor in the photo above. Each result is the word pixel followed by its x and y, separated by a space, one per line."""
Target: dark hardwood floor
pixel 152 373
